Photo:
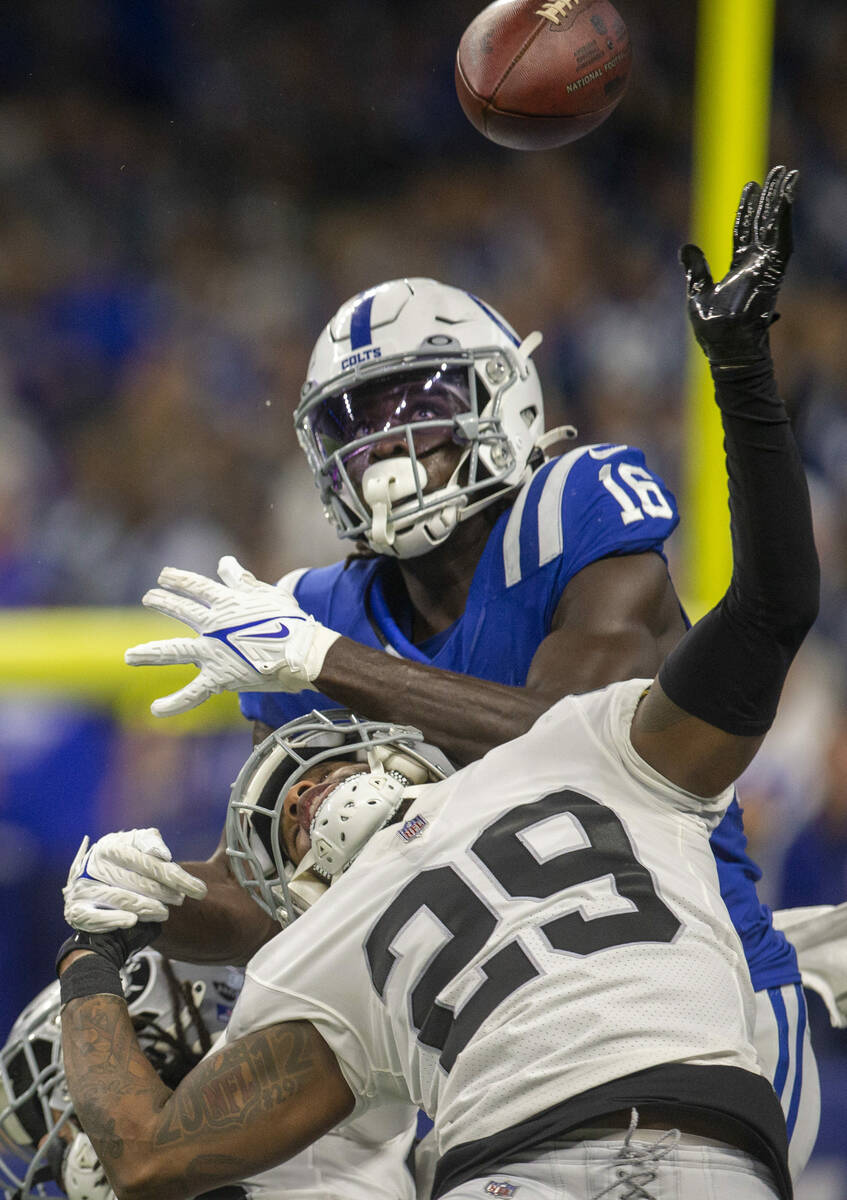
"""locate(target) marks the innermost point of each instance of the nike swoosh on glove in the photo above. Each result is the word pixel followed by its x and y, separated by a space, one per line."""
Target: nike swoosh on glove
pixel 253 636
pixel 124 878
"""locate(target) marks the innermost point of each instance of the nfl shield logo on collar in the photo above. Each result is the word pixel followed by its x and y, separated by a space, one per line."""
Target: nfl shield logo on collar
pixel 497 1187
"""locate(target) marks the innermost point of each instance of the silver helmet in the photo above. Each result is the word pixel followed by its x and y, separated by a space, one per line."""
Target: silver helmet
pixel 393 758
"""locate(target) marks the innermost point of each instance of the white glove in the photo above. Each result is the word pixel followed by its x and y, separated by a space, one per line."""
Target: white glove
pixel 819 935
pixel 253 636
pixel 123 878
pixel 83 1177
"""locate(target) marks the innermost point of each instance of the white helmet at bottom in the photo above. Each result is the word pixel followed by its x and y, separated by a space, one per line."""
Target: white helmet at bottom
pixel 176 1009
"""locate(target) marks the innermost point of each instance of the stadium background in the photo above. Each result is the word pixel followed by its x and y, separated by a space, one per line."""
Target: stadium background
pixel 188 190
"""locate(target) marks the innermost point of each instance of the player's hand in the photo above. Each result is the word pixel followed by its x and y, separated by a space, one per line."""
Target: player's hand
pixel 253 636
pixel 731 318
pixel 125 878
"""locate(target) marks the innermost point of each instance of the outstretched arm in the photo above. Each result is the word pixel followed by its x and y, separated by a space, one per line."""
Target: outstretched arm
pixel 717 692
pixel 253 1104
pixel 616 619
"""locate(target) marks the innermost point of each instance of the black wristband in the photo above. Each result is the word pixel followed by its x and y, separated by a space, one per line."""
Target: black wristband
pixel 115 945
pixel 90 975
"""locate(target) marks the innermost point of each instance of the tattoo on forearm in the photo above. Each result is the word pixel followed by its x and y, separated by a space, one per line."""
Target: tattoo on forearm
pixel 115 1089
pixel 106 1065
pixel 270 1066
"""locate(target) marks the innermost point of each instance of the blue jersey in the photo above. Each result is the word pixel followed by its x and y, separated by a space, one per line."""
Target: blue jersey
pixel 589 504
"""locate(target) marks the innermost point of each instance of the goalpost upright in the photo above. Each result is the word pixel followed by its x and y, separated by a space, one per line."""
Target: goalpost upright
pixel 731 134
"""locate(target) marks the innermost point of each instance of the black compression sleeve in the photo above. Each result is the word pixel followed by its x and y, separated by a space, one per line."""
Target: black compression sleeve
pixel 730 667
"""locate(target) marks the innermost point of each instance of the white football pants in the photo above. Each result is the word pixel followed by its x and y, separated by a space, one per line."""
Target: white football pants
pixel 651 1167
pixel 785 1052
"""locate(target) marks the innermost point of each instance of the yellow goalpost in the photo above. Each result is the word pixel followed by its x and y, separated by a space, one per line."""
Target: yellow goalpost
pixel 78 654
pixel 731 133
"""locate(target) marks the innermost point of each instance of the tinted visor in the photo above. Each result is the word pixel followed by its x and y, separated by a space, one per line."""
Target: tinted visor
pixel 373 409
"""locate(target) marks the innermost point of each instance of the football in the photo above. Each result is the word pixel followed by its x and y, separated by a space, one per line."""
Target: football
pixel 533 75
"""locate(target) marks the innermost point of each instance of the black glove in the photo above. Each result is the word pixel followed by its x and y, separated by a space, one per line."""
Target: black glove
pixel 115 945
pixel 731 319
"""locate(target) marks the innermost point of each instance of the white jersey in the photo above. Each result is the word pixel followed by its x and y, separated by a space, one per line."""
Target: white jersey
pixel 343 1165
pixel 542 922
pixel 367 1160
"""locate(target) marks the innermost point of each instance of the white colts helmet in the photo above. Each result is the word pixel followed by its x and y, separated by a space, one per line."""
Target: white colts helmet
pixel 393 757
pixel 401 369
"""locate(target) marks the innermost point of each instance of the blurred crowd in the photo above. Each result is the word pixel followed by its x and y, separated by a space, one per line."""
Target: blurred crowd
pixel 189 190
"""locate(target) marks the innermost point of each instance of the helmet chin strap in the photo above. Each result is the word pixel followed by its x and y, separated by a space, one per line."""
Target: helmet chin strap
pixel 383 484
pixel 305 886
pixel 388 759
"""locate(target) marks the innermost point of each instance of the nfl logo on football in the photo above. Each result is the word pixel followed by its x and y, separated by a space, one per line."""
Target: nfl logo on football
pixel 495 1187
